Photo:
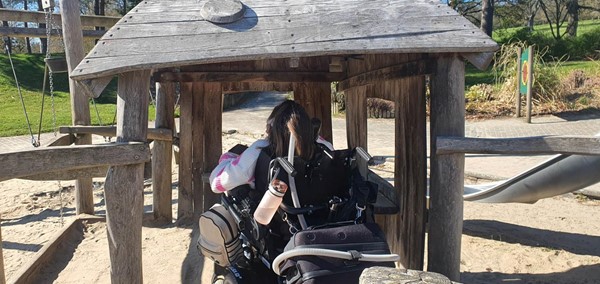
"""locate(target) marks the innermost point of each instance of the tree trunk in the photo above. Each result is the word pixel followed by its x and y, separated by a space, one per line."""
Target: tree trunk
pixel 7 41
pixel 573 11
pixel 27 43
pixel 487 16
pixel 99 11
pixel 532 8
pixel 43 40
pixel 556 15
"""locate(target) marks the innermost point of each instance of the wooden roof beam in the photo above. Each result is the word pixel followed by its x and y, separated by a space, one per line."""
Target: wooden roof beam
pixel 94 87
pixel 162 134
pixel 269 76
pixel 481 60
pixel 409 69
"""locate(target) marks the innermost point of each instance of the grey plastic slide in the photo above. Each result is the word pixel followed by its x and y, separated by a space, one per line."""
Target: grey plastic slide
pixel 559 175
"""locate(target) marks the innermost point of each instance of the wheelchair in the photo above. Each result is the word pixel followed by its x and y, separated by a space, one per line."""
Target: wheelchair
pixel 331 235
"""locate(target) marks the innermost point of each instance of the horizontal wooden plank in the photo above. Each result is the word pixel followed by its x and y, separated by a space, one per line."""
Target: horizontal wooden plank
pixel 94 172
pixel 249 77
pixel 110 131
pixel 415 68
pixel 527 145
pixel 191 10
pixel 94 87
pixel 480 60
pixel 198 26
pixel 72 232
pixel 40 17
pixel 438 35
pixel 63 140
pixel 66 158
pixel 232 87
pixel 37 32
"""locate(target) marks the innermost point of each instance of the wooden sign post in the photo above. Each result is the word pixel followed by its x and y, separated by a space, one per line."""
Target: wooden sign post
pixel 525 81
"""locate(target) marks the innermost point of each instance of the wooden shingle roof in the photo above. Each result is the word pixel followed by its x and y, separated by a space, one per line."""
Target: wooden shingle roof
pixel 171 33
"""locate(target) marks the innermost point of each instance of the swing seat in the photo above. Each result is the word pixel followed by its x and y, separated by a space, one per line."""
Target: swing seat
pixel 57 64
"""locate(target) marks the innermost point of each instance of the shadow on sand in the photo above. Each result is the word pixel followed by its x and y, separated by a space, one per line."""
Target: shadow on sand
pixel 516 234
pixel 581 274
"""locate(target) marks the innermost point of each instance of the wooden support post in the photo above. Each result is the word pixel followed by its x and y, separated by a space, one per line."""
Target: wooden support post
pixel 316 99
pixel 2 276
pixel 529 83
pixel 213 139
pixel 124 185
pixel 406 231
pixel 518 94
pixel 447 172
pixel 185 202
pixel 162 153
pixel 80 108
pixel 356 117
pixel 198 137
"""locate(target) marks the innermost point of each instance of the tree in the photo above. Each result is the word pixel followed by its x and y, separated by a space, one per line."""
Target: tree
pixel 556 14
pixel 25 24
pixel 7 40
pixel 470 9
pixel 43 40
pixel 532 7
pixel 574 8
pixel 487 16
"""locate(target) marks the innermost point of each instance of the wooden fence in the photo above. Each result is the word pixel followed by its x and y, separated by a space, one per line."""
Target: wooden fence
pixel 39 17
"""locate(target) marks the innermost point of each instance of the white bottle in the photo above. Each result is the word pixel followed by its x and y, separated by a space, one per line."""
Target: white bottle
pixel 270 202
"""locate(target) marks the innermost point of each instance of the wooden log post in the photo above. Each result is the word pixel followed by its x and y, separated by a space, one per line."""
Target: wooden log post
pixel 447 171
pixel 406 231
pixel 213 139
pixel 124 185
pixel 518 93
pixel 356 117
pixel 162 153
pixel 80 108
pixel 316 99
pixel 185 201
pixel 198 125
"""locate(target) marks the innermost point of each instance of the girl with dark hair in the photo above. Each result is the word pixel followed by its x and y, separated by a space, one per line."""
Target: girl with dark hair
pixel 287 118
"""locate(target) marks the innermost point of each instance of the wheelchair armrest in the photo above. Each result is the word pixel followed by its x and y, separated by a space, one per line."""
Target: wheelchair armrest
pixel 304 210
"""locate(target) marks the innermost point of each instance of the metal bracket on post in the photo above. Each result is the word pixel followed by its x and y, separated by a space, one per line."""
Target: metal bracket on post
pixel 48 4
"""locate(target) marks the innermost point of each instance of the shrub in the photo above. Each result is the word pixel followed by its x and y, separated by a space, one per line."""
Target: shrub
pixel 585 45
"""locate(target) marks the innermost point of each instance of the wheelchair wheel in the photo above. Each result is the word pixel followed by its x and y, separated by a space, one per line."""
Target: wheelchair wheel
pixel 223 276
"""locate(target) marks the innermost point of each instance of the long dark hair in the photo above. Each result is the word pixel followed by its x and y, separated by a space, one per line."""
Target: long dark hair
pixel 290 117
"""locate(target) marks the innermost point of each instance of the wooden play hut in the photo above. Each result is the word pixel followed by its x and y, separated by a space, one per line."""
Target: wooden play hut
pixel 204 49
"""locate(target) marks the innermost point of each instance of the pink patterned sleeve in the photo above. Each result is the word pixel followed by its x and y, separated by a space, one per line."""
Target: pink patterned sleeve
pixel 234 170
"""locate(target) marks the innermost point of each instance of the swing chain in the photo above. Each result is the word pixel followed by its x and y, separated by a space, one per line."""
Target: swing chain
pixel 49 26
pixel 62 206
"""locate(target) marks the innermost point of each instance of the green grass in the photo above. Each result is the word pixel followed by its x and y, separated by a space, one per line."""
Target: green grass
pixel 589 67
pixel 474 76
pixel 583 27
pixel 30 74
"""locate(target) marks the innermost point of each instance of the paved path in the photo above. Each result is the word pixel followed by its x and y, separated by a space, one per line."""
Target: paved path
pixel 250 117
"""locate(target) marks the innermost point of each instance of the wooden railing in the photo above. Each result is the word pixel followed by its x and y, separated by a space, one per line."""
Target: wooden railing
pixel 540 145
pixel 39 17
pixel 55 160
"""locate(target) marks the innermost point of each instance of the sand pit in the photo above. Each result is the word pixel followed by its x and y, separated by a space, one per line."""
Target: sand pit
pixel 555 240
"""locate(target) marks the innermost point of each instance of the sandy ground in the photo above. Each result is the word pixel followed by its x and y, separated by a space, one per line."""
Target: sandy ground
pixel 556 240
